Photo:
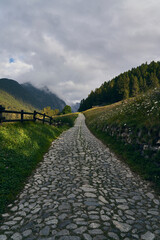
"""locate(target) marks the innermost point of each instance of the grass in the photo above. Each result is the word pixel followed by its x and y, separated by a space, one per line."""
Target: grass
pixel 141 111
pixel 12 103
pixel 67 119
pixel 137 114
pixel 22 148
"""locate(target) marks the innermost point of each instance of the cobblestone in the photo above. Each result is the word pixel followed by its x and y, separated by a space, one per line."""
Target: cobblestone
pixel 82 191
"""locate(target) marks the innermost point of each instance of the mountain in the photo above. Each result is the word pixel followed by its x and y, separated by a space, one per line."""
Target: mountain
pixel 128 84
pixel 10 103
pixel 27 93
pixel 75 107
pixel 44 97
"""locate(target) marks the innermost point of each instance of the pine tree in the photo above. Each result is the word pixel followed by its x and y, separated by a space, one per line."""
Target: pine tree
pixel 128 84
pixel 144 85
pixel 141 83
pixel 135 87
pixel 153 80
pixel 125 94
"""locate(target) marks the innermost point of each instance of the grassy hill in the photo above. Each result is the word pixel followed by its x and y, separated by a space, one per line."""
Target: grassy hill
pixel 131 128
pixel 11 103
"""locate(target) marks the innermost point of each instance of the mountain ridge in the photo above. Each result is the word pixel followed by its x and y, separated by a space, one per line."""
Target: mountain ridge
pixel 26 92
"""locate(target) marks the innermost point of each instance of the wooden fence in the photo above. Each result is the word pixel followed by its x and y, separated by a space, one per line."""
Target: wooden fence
pixel 35 116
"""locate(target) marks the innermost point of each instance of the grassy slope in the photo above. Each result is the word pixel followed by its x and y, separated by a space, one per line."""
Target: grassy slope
pixel 66 118
pixel 22 147
pixel 142 112
pixel 10 103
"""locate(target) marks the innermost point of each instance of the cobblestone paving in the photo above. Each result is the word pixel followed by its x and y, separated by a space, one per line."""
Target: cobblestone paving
pixel 81 191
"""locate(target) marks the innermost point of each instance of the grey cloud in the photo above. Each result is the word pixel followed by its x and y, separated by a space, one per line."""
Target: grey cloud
pixel 75 45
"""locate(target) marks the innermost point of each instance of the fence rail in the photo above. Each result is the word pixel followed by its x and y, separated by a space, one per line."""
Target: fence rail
pixel 36 116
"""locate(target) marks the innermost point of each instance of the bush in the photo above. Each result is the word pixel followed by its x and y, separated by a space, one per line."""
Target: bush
pixel 66 109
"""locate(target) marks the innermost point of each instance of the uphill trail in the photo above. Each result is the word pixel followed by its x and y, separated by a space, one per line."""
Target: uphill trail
pixel 82 191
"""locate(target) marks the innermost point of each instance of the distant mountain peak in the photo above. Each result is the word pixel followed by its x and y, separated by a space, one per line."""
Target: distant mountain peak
pixel 46 89
pixel 75 107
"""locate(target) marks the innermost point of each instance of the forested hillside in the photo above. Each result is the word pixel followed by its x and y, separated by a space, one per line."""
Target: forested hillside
pixel 128 84
pixel 30 95
pixel 44 97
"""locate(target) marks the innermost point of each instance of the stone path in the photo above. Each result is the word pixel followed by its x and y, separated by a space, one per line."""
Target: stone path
pixel 81 191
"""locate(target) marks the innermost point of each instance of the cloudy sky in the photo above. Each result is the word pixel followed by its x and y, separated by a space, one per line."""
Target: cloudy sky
pixel 73 46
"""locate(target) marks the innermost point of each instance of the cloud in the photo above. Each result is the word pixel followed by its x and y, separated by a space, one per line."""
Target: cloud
pixel 73 46
pixel 13 68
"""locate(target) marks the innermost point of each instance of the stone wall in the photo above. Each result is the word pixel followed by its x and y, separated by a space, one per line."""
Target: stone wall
pixel 145 140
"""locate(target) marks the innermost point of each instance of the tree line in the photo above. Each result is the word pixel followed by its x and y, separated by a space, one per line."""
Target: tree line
pixel 128 84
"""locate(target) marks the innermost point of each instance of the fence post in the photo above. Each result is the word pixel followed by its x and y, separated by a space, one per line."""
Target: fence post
pixel 1 112
pixel 21 116
pixel 50 120
pixel 34 116
pixel 53 123
pixel 44 118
